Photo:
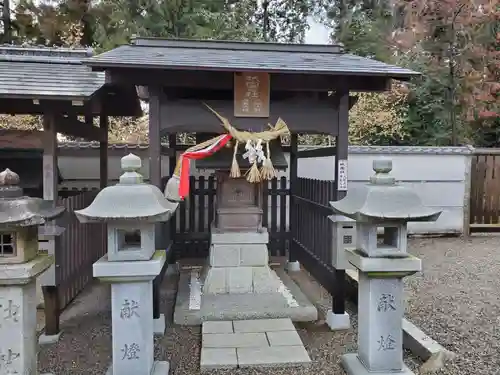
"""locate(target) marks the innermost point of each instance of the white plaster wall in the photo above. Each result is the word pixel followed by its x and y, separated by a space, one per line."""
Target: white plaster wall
pixel 440 176
pixel 441 180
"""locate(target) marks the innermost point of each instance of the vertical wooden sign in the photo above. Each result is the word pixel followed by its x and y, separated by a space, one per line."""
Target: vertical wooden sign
pixel 251 94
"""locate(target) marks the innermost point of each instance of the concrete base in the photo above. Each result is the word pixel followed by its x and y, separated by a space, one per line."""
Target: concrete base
pixel 353 366
pixel 293 266
pixel 159 368
pixel 49 339
pixel 289 303
pixel 159 325
pixel 338 322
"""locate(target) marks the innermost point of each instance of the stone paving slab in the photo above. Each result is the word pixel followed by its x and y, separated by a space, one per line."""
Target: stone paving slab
pixel 273 356
pixel 284 338
pixel 212 358
pixel 263 325
pixel 234 340
pixel 259 343
pixel 217 327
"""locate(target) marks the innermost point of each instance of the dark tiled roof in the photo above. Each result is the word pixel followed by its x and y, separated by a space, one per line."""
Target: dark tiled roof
pixel 234 56
pixel 46 73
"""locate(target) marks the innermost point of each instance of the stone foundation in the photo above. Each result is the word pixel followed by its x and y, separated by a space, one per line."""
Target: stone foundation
pixel 237 265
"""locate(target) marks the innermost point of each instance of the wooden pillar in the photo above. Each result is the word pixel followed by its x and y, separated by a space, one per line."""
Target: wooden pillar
pixel 342 143
pixel 155 94
pixel 48 280
pixel 103 152
pixel 294 141
pixel 172 160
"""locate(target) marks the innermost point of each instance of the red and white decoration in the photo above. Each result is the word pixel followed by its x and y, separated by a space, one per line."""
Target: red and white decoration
pixel 220 142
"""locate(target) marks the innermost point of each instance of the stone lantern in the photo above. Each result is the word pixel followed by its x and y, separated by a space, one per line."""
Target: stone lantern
pixel 20 264
pixel 131 208
pixel 381 206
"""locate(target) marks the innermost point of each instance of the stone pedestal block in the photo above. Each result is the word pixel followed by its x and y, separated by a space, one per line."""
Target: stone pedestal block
pixel 236 255
pixel 132 314
pixel 18 349
pixel 380 330
pixel 132 317
pixel 236 265
pixel 18 336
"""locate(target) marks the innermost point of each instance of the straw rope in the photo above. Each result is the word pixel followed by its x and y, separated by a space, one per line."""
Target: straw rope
pixel 253 175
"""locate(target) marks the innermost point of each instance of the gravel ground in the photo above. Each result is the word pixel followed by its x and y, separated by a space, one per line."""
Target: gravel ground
pixel 456 300
pixel 453 301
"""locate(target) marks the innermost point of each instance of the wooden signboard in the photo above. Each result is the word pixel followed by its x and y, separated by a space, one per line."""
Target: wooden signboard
pixel 251 94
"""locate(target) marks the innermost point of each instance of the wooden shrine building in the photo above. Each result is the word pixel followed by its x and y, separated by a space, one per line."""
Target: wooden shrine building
pixel 308 86
pixel 53 83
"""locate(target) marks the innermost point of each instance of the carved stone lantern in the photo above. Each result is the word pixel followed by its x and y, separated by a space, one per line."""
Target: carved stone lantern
pixel 131 208
pixel 384 206
pixel 20 264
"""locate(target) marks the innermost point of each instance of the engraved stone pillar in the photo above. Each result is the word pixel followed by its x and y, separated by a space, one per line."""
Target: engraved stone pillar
pixel 381 206
pixel 131 208
pixel 20 265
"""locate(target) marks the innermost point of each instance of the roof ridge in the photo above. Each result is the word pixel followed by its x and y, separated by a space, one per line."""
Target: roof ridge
pixel 237 45
pixel 44 54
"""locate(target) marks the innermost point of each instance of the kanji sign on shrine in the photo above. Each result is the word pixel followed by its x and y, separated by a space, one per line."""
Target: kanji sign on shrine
pixel 251 94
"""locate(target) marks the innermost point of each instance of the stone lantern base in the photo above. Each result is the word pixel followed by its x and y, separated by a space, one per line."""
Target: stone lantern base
pixel 353 366
pixel 18 336
pixel 132 314
pixel 380 300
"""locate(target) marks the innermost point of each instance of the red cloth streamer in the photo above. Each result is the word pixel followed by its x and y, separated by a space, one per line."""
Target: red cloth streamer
pixel 195 155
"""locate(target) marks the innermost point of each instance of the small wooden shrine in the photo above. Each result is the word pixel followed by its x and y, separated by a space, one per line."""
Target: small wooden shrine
pixel 235 91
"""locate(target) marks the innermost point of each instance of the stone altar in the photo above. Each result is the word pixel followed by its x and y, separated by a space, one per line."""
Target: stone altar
pixel 20 265
pixel 131 208
pixel 237 283
pixel 381 205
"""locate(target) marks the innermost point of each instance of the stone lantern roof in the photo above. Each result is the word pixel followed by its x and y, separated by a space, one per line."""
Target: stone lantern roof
pixel 382 199
pixel 19 210
pixel 129 200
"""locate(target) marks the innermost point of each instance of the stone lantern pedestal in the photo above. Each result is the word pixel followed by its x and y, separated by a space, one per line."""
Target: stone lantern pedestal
pixel 132 313
pixel 131 208
pixel 381 206
pixel 20 265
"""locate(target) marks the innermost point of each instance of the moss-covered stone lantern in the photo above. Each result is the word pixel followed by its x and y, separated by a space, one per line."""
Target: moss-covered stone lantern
pixel 20 265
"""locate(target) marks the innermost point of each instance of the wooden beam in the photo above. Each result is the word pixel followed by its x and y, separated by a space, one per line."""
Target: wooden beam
pixel 317 152
pixel 301 116
pixel 71 126
pixel 103 152
pixel 224 80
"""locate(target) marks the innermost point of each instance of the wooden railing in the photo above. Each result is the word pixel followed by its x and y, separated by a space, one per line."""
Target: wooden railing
pixel 77 248
pixel 311 237
pixel 194 216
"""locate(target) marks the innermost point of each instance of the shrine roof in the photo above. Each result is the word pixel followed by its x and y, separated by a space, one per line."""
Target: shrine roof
pixel 57 74
pixel 178 54
pixel 44 72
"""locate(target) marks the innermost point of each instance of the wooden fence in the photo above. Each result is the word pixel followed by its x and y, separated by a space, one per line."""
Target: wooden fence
pixel 312 230
pixel 78 247
pixel 195 215
pixel 485 191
